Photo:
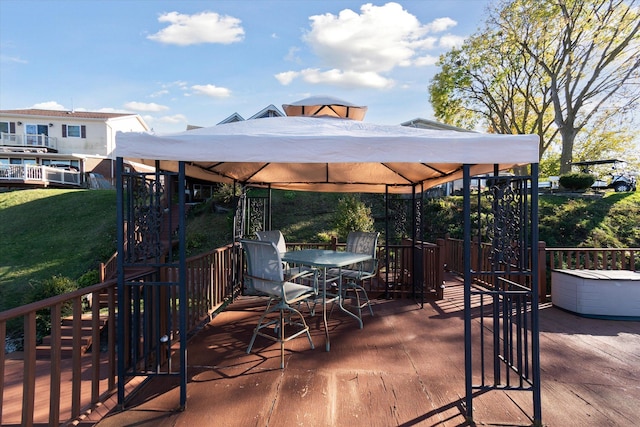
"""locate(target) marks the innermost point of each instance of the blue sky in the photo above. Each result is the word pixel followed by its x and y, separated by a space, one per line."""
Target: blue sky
pixel 197 62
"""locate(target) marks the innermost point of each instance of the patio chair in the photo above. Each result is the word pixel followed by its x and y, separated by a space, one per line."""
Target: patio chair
pixel 353 276
pixel 277 237
pixel 266 276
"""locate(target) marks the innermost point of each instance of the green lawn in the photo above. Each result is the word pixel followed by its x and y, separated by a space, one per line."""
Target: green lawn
pixel 44 233
pixel 49 232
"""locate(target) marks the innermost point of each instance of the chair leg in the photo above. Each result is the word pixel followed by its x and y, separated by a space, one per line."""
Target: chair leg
pixel 279 327
pixel 357 289
pixel 281 337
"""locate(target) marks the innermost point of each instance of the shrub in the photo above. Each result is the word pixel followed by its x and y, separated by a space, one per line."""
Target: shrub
pixel 89 278
pixel 40 290
pixel 577 181
pixel 352 215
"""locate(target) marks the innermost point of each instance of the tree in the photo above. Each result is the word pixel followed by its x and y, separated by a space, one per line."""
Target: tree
pixel 557 66
pixel 589 50
pixel 486 81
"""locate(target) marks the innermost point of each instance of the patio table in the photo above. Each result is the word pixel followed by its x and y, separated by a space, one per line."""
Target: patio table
pixel 323 260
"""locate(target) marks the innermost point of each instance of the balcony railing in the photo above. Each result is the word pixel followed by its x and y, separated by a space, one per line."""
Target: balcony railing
pixel 39 142
pixel 37 174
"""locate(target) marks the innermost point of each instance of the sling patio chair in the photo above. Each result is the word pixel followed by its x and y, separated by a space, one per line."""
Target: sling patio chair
pixel 353 276
pixel 265 276
pixel 276 236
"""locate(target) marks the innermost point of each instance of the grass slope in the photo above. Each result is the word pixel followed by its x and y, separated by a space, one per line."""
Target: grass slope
pixel 68 232
pixel 49 232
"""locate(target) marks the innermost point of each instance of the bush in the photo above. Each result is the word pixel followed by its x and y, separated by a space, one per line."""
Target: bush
pixel 577 181
pixel 89 278
pixel 352 215
pixel 40 290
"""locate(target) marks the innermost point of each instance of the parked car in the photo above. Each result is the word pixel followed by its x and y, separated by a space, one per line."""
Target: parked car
pixel 618 178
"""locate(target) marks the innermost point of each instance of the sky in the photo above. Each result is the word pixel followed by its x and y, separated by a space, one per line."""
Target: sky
pixel 179 63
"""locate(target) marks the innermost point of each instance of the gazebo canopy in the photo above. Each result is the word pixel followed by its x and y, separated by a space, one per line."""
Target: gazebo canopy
pixel 328 154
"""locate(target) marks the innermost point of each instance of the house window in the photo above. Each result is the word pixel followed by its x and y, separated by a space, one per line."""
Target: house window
pixel 8 127
pixel 74 131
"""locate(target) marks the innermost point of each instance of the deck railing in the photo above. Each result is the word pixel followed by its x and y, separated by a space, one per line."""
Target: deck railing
pixel 585 259
pixel 35 380
pixel 551 259
pixel 45 175
pixel 33 142
pixel 212 281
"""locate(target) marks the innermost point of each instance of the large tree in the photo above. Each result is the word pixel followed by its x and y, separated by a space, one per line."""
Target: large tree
pixel 551 67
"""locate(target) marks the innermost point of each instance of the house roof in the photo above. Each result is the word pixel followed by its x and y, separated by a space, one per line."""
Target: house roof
pixel 63 113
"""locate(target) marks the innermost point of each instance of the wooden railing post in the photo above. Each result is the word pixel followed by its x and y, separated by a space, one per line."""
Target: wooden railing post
pixel 542 272
pixel 442 262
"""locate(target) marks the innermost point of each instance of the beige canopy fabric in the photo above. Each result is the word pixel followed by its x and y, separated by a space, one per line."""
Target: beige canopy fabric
pixel 328 154
pixel 325 106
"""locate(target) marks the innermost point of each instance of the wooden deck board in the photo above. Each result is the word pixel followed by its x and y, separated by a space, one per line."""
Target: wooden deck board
pixel 405 368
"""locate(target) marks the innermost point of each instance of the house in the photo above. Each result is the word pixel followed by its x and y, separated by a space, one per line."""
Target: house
pixel 41 148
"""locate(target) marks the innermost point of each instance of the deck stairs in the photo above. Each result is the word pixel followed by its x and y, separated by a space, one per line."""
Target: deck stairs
pixel 43 351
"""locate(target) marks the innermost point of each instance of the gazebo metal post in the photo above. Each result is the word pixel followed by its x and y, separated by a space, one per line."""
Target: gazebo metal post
pixel 182 284
pixel 145 225
pixel 269 209
pixel 386 240
pixel 466 212
pixel 501 271
pixel 535 324
pixel 120 262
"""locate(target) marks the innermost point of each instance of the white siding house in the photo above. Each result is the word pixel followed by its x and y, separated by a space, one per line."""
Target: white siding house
pixel 33 141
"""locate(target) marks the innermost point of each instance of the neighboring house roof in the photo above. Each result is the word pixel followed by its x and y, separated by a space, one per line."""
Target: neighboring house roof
pixel 62 113
pixel 268 111
pixel 431 124
pixel 235 117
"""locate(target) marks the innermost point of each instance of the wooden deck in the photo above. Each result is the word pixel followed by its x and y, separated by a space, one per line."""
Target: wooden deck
pixel 405 368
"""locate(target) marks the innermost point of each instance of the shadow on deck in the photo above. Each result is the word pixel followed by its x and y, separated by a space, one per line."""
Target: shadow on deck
pixel 405 368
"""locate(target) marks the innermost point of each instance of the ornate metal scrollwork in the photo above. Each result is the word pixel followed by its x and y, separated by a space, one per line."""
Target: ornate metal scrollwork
pixel 504 222
pixel 146 219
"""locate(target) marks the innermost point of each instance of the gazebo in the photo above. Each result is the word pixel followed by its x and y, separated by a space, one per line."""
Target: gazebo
pixel 332 154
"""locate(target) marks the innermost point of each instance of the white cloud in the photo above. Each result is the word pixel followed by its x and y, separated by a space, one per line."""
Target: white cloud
pixel 146 107
pixel 425 61
pixel 292 54
pixel 13 59
pixel 440 24
pixel 175 119
pixel 378 39
pixel 211 90
pixel 358 49
pixel 348 78
pixel 203 27
pixel 49 105
pixel 286 77
pixel 450 41
pixel 159 93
